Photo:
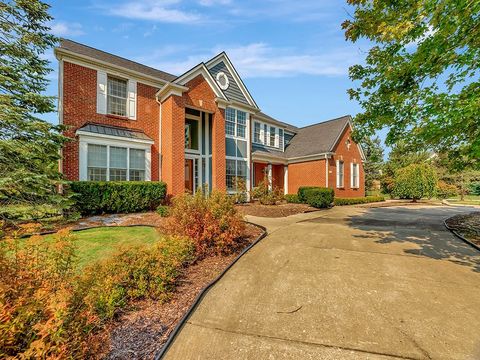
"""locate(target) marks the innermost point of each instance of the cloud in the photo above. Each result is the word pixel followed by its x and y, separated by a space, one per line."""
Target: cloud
pixel 161 11
pixel 66 29
pixel 259 60
pixel 214 2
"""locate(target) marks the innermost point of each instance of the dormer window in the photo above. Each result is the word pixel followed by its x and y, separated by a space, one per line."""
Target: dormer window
pixel 116 96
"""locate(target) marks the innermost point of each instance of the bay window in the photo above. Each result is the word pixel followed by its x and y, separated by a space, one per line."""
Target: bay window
pixel 97 162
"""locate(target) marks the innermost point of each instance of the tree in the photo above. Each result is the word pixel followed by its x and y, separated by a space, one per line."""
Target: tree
pixel 29 146
pixel 400 156
pixel 415 181
pixel 372 147
pixel 421 77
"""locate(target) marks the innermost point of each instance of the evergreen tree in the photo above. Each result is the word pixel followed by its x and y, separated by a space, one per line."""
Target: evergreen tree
pixel 29 147
pixel 372 147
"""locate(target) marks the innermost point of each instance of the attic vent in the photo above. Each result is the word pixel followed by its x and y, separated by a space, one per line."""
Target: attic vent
pixel 222 80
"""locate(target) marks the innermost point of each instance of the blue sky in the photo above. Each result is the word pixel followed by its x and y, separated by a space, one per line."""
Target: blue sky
pixel 292 55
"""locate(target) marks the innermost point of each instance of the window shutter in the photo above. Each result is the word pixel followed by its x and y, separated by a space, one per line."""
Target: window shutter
pixel 132 100
pixel 276 138
pixel 101 92
pixel 338 173
pixel 351 175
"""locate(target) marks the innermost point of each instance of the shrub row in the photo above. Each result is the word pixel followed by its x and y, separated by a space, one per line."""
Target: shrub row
pixel 292 199
pixel 359 200
pixel 316 196
pixel 48 308
pixel 97 197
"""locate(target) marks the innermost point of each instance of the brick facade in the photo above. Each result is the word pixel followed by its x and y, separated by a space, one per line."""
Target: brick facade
pixel 309 173
pixel 80 107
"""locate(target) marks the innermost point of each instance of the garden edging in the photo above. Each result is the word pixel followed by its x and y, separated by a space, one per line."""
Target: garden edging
pixel 204 291
pixel 460 236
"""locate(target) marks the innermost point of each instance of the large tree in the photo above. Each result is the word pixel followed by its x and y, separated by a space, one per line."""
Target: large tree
pixel 421 76
pixel 372 147
pixel 29 146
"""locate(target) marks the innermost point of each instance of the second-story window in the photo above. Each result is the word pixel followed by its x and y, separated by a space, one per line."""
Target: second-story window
pixel 117 96
pixel 235 123
pixel 280 139
pixel 272 136
pixel 256 133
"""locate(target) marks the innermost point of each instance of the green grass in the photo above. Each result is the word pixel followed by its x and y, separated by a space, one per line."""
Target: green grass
pixel 468 200
pixel 99 243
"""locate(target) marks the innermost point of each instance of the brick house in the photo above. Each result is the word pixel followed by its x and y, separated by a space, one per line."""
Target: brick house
pixel 202 128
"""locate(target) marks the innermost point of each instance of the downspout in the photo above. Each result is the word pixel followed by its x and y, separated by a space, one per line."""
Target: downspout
pixel 326 171
pixel 159 138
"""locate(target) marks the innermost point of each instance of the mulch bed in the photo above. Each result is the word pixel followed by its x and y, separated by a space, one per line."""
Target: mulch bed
pixel 141 332
pixel 467 225
pixel 274 211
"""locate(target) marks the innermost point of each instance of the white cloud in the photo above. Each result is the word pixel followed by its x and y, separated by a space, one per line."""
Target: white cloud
pixel 66 29
pixel 160 10
pixel 214 2
pixel 259 60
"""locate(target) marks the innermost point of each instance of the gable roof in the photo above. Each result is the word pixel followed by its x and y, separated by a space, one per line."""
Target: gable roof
pixel 201 69
pixel 317 138
pixel 84 50
pixel 237 91
pixel 262 116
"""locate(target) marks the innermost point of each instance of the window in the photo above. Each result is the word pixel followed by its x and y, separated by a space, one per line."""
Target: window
pixel 355 176
pixel 191 134
pixel 340 173
pixel 97 162
pixel 116 96
pixel 123 163
pixel 235 123
pixel 265 133
pixel 235 169
pixel 272 136
pixel 280 139
pixel 256 133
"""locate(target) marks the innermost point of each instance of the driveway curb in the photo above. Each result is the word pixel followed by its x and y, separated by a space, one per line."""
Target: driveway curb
pixel 461 237
pixel 159 355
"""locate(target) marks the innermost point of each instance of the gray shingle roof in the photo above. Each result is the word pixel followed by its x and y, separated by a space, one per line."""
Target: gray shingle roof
pixel 261 150
pixel 288 127
pixel 316 139
pixel 85 50
pixel 115 131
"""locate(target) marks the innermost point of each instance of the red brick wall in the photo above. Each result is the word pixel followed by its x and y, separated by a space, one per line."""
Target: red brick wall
pixel 259 172
pixel 80 107
pixel 310 173
pixel 277 177
pixel 348 155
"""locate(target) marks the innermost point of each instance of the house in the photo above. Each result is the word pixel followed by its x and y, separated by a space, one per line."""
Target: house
pixel 202 128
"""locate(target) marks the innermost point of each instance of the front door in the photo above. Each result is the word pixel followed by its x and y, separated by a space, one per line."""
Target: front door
pixel 189 175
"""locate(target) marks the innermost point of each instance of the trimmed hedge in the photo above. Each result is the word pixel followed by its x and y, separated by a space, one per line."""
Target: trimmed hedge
pixel 317 197
pixel 301 192
pixel 359 200
pixel 99 197
pixel 292 199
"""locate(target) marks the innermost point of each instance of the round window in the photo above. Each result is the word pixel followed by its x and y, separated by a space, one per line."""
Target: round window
pixel 222 80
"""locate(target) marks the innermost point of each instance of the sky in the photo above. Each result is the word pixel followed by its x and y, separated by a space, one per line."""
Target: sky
pixel 292 55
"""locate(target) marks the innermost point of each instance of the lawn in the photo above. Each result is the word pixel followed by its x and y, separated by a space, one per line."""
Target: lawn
pixel 98 243
pixel 468 200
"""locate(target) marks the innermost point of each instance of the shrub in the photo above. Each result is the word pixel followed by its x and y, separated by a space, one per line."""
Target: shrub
pixel 475 188
pixel 212 222
pixel 292 198
pixel 266 196
pixel 301 192
pixel 241 194
pixel 445 191
pixel 318 197
pixel 415 181
pixel 358 200
pixel 97 197
pixel 163 210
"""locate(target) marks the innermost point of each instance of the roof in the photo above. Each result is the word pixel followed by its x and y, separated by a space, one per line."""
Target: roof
pixel 265 151
pixel 288 127
pixel 115 131
pixel 317 138
pixel 85 50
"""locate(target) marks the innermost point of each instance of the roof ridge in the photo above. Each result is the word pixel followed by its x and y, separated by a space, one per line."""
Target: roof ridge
pixel 324 122
pixel 118 56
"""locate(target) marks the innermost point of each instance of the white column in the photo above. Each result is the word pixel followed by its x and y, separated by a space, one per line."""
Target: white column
pixel 207 151
pixel 285 179
pixel 249 156
pixel 269 167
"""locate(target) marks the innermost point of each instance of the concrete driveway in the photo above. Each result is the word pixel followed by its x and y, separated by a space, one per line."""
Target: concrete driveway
pixel 347 283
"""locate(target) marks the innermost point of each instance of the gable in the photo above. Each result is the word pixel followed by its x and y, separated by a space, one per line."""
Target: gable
pixel 233 91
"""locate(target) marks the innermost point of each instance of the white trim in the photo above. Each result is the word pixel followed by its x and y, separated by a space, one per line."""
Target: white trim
pixel 89 134
pixel 227 82
pixel 262 118
pixel 132 99
pixel 95 64
pixel 342 185
pixel 269 176
pixel 207 149
pixel 201 69
pixel 285 180
pixel 84 140
pixel 60 109
pixel 101 92
pixel 312 157
pixel 355 184
pixel 249 155
pixel 224 57
pixel 349 123
pixel 268 158
pixel 326 171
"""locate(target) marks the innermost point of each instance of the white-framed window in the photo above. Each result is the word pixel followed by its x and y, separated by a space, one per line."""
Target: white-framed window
pixel 355 176
pixel 280 139
pixel 113 160
pixel 256 133
pixel 235 122
pixel 265 134
pixel 236 168
pixel 340 173
pixel 117 96
pixel 272 136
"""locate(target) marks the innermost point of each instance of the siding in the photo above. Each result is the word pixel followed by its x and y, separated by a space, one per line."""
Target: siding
pixel 233 92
